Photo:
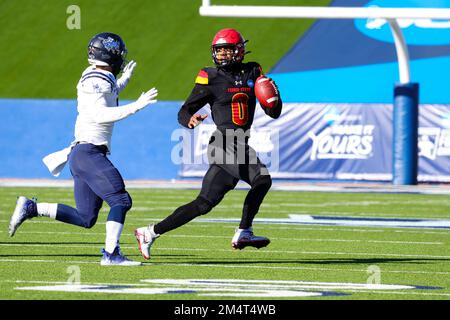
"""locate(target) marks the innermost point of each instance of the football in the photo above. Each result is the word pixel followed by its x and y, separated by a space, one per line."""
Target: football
pixel 266 92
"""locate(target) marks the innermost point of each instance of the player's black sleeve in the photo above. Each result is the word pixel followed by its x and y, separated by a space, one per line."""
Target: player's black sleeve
pixel 198 98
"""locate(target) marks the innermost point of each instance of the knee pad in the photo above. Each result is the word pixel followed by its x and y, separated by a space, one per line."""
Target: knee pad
pixel 118 213
pixel 128 202
pixel 123 200
pixel 89 223
pixel 202 205
pixel 263 182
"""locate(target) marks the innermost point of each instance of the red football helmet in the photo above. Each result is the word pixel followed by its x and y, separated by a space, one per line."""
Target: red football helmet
pixel 228 38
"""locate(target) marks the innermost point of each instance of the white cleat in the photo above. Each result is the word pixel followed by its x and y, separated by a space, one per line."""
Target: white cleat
pixel 245 238
pixel 117 259
pixel 25 209
pixel 145 237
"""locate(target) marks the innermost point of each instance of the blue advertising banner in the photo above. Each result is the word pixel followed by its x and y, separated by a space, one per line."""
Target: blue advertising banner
pixel 331 142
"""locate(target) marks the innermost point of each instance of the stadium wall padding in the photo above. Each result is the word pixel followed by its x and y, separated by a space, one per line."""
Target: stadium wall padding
pixel 320 141
pixel 31 129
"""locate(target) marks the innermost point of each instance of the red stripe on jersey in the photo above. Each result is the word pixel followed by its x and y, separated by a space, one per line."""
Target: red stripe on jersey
pixel 203 74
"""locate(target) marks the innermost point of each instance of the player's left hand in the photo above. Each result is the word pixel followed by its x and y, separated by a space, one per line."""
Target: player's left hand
pixel 129 69
pixel 196 119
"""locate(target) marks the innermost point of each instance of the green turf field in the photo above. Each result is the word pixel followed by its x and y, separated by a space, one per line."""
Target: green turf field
pixel 42 58
pixel 301 260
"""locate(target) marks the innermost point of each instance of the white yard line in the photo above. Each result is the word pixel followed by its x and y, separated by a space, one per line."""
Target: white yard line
pixel 227 237
pixel 240 266
pixel 227 250
pixel 158 283
pixel 399 293
pixel 277 186
pixel 50 261
pixel 200 224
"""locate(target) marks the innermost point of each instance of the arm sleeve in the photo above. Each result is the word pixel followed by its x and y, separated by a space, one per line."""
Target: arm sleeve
pixel 99 101
pixel 199 97
pixel 100 112
pixel 122 82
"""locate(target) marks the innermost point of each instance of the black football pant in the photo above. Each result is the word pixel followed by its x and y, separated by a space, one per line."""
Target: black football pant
pixel 220 179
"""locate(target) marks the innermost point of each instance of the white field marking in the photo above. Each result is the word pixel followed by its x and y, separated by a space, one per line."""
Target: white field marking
pixel 225 205
pixel 343 229
pixel 300 268
pixel 242 282
pixel 365 241
pixel 240 266
pixel 225 287
pixel 368 214
pixel 101 289
pixel 391 222
pixel 350 202
pixel 225 250
pixel 172 290
pixel 227 237
pixel 51 261
pixel 265 211
pixel 278 284
pixel 403 293
pixel 313 253
pixel 200 224
pixel 65 282
pixel 343 221
pixel 341 213
pixel 226 208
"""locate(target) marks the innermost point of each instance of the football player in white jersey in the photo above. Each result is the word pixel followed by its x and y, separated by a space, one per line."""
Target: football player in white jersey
pixel 95 177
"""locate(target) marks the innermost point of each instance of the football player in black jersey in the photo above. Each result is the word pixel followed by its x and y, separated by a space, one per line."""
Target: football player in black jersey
pixel 228 88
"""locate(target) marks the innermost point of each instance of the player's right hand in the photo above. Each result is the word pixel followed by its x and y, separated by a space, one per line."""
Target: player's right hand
pixel 129 69
pixel 147 98
pixel 196 119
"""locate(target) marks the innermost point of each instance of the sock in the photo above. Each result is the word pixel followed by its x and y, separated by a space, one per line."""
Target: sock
pixel 47 210
pixel 153 234
pixel 113 232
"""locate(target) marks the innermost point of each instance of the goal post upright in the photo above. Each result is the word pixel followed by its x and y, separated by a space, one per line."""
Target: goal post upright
pixel 406 94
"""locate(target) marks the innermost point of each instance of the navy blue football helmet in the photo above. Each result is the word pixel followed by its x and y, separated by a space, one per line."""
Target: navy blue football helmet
pixel 107 49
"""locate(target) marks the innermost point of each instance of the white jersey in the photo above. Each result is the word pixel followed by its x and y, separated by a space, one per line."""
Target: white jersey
pixel 98 93
pixel 97 89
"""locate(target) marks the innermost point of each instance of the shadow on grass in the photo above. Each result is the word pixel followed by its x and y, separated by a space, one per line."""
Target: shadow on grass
pixel 348 261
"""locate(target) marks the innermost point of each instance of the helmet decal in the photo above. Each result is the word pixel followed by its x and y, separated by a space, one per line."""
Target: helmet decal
pixel 112 45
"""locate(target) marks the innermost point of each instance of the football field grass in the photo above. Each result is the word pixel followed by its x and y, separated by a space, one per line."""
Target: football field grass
pixel 169 40
pixel 47 259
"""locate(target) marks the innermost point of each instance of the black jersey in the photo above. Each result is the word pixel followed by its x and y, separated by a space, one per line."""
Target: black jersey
pixel 230 94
